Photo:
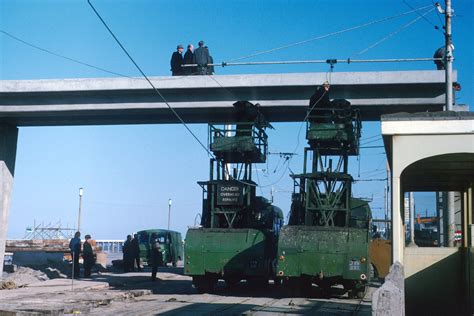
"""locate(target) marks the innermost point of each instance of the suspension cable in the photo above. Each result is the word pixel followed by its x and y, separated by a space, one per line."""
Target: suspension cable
pixel 330 34
pixel 395 32
pixel 62 56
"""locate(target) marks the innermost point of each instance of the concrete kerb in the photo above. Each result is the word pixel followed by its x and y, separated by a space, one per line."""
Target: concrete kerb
pixel 389 299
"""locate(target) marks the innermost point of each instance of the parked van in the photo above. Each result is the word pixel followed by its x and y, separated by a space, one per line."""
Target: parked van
pixel 171 245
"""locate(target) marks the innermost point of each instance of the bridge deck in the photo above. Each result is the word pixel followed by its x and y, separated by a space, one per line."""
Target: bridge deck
pixel 202 99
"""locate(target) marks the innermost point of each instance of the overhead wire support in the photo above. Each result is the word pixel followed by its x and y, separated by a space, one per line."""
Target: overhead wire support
pixel 320 61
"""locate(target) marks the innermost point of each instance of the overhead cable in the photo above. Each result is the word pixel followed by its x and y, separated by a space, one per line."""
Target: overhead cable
pixel 330 34
pixel 436 27
pixel 62 56
pixel 148 80
pixel 394 32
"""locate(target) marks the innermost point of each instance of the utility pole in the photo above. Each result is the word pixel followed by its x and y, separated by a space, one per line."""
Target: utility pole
pixel 449 106
pixel 449 56
pixel 169 212
pixel 448 13
pixel 81 193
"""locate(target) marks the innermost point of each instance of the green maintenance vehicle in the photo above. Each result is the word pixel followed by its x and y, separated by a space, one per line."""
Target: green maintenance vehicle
pixel 238 235
pixel 326 241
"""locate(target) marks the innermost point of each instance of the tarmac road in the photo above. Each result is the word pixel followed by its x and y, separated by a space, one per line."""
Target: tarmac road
pixel 172 294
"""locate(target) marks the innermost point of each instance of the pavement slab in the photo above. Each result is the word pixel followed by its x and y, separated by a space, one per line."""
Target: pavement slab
pixel 172 294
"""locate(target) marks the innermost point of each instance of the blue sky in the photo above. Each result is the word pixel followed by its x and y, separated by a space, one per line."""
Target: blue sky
pixel 129 172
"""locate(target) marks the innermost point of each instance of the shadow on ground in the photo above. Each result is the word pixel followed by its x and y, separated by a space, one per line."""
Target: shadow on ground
pixel 172 281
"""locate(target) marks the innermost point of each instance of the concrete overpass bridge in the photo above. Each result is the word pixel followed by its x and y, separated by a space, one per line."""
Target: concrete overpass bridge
pixel 208 99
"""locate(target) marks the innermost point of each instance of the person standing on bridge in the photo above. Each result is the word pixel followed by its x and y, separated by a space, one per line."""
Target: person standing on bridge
pixel 75 246
pixel 210 69
pixel 177 61
pixel 201 58
pixel 88 256
pixel 188 60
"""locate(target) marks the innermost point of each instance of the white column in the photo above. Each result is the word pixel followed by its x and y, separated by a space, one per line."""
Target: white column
pixel 398 236
pixel 451 221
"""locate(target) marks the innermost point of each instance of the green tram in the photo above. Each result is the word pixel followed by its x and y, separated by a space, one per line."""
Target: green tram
pixel 326 241
pixel 239 230
pixel 171 245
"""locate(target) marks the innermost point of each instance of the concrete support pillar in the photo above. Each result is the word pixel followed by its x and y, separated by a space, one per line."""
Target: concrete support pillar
pixel 411 199
pixel 470 215
pixel 8 141
pixel 398 233
pixel 389 299
pixel 465 218
pixel 451 221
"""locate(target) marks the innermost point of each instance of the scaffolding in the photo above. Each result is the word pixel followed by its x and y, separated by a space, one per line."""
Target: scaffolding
pixel 48 231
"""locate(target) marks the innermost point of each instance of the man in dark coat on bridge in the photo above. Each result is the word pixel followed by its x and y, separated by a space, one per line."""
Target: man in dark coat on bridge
pixel 188 60
pixel 177 61
pixel 201 58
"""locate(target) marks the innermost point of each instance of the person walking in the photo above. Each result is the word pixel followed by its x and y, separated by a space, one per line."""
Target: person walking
pixel 75 247
pixel 177 61
pixel 188 60
pixel 88 256
pixel 201 58
pixel 127 254
pixel 156 257
pixel 136 252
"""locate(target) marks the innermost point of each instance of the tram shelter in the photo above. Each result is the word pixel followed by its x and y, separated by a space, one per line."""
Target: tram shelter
pixel 433 152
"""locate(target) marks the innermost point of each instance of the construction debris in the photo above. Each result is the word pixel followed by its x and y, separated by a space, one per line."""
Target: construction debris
pixel 22 277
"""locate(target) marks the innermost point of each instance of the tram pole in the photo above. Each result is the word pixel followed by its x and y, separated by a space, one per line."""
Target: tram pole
pixel 449 107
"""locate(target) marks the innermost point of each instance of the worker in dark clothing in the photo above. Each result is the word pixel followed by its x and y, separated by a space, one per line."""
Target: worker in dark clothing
pixel 188 60
pixel 127 254
pixel 75 246
pixel 440 53
pixel 136 251
pixel 177 61
pixel 320 100
pixel 156 257
pixel 210 69
pixel 88 256
pixel 201 58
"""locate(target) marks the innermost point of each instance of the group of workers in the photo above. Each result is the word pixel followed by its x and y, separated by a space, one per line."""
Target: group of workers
pixel 131 254
pixel 88 255
pixel 199 57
